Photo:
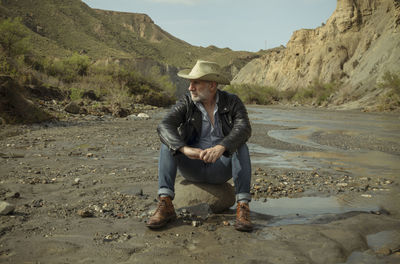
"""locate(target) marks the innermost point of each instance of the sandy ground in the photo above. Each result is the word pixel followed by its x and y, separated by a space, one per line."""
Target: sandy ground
pixel 84 187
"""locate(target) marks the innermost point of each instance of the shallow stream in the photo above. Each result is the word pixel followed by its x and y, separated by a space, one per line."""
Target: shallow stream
pixel 377 153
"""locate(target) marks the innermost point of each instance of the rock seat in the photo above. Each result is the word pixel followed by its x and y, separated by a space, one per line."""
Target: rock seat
pixel 219 197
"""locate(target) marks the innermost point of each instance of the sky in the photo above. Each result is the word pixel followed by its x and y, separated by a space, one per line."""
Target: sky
pixel 248 25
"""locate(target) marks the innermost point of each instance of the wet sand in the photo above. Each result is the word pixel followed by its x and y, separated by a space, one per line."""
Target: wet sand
pixel 107 167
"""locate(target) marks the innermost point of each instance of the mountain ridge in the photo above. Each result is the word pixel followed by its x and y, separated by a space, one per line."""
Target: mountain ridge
pixel 356 46
pixel 59 28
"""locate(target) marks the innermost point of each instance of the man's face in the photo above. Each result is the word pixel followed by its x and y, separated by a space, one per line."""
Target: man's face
pixel 201 91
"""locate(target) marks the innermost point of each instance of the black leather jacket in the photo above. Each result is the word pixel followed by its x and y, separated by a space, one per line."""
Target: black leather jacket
pixel 182 125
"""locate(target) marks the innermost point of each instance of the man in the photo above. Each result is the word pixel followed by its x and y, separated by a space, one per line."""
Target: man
pixel 204 136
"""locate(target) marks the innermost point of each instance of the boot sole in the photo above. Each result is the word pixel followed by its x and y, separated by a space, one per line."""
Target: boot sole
pixel 157 226
pixel 244 228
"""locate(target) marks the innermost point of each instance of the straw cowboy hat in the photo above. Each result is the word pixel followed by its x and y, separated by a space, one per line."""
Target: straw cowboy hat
pixel 206 71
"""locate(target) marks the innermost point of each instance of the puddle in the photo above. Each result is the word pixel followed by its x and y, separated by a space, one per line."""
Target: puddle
pixel 364 258
pixel 384 239
pixel 305 210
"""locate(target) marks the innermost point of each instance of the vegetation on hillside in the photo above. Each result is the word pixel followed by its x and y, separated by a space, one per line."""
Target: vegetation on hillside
pixel 69 46
pixel 78 74
pixel 390 83
pixel 316 94
pixel 59 28
pixel 14 46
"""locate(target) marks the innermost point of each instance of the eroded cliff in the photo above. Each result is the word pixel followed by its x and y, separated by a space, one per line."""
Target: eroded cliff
pixel 356 46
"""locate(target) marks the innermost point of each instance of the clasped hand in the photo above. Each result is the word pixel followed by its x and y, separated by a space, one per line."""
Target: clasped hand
pixel 209 155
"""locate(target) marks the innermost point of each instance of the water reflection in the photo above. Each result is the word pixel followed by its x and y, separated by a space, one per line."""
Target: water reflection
pixel 306 210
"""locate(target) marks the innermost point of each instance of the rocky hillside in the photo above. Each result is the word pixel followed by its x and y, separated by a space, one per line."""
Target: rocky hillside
pixel 356 46
pixel 57 28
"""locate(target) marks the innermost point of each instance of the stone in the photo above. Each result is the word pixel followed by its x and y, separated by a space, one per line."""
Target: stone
pixel 143 116
pixel 219 197
pixel 72 108
pixel 133 117
pixel 85 213
pixel 14 195
pixel 6 208
pixel 196 223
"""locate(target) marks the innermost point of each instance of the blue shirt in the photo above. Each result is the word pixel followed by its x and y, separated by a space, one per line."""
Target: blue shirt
pixel 210 135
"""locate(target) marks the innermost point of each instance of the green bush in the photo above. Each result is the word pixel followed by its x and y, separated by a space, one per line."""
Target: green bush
pixel 147 90
pixel 391 99
pixel 391 81
pixel 68 69
pixel 318 92
pixel 78 64
pixel 255 94
pixel 13 38
pixel 75 94
pixel 14 45
pixel 163 81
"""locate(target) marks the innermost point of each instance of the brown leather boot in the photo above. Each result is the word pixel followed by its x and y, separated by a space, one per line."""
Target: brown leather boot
pixel 164 213
pixel 243 222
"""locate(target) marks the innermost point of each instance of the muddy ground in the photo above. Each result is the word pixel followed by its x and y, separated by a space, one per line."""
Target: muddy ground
pixel 84 186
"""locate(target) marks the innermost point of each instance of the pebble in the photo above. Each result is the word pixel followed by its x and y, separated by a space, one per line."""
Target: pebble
pixel 384 251
pixel 143 116
pixel 196 223
pixel 85 213
pixel 6 208
pixel 37 203
pixel 14 195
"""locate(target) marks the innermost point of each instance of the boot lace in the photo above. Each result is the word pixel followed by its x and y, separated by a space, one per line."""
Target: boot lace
pixel 161 205
pixel 244 212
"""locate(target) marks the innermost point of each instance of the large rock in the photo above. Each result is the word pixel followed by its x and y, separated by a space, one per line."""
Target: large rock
pixel 72 108
pixel 6 208
pixel 219 197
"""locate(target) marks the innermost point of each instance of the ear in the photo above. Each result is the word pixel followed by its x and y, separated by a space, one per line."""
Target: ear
pixel 214 85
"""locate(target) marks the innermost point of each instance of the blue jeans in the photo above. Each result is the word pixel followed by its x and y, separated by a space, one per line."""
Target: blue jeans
pixel 237 166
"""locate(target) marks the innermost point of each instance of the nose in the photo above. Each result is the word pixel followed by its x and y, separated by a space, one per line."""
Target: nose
pixel 191 86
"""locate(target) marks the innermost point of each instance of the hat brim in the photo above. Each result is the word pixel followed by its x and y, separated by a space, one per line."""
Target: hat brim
pixel 205 77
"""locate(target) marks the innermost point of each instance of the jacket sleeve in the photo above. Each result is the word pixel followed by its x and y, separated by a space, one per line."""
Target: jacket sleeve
pixel 241 130
pixel 168 128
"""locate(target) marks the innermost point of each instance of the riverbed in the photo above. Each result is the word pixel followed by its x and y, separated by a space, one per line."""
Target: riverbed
pixel 325 190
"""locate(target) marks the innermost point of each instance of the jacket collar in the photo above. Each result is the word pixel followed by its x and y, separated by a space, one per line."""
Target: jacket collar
pixel 222 102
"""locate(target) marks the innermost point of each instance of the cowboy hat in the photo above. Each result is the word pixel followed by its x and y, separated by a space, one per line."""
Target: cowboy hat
pixel 206 71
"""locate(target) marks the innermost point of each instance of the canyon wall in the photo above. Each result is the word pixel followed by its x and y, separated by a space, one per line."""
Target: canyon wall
pixel 356 46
